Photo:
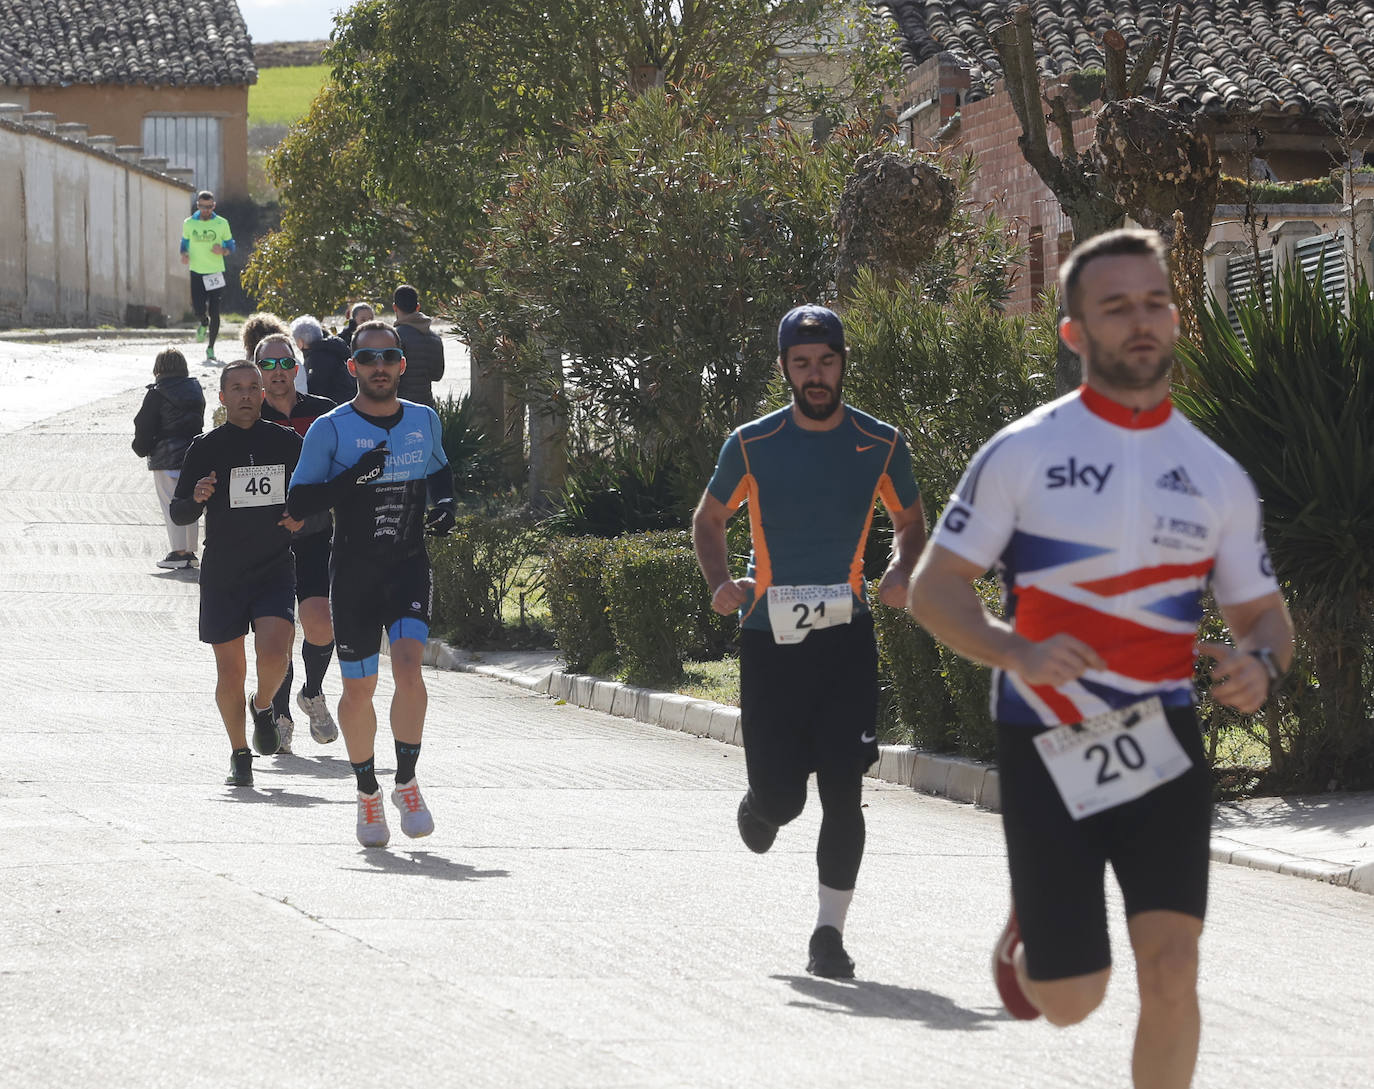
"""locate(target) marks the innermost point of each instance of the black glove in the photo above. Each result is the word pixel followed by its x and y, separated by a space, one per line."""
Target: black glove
pixel 440 518
pixel 370 466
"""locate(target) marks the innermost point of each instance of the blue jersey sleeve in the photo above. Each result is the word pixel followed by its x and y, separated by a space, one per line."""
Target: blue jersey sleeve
pixel 317 462
pixel 730 472
pixel 437 457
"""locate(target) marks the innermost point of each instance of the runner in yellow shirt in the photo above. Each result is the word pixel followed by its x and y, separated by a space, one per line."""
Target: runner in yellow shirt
pixel 205 239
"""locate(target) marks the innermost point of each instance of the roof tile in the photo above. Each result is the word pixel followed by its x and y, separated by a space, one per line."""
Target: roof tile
pixel 162 42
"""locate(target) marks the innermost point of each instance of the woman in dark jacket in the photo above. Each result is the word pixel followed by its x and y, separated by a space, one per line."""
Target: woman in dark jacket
pixel 173 413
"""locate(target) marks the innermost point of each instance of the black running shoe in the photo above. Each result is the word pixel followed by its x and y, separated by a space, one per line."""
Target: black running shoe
pixel 240 769
pixel 757 833
pixel 828 957
pixel 266 739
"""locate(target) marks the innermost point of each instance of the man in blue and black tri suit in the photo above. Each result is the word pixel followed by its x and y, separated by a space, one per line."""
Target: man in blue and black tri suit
pixel 810 474
pixel 379 463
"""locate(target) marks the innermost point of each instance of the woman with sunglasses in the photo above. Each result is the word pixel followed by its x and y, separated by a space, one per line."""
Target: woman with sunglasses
pixel 284 405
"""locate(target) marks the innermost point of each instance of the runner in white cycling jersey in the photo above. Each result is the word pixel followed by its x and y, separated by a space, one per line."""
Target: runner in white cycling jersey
pixel 1107 516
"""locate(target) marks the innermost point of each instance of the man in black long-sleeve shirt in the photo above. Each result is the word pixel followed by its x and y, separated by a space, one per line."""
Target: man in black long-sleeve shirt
pixel 238 474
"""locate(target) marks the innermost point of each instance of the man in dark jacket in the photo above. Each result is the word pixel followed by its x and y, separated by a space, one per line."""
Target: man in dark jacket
pixel 326 361
pixel 172 414
pixel 423 348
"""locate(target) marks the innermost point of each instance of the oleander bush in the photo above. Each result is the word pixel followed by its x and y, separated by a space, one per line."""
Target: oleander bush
pixel 653 589
pixel 576 597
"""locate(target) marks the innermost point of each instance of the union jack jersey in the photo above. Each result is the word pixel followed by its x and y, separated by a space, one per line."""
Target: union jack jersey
pixel 1107 524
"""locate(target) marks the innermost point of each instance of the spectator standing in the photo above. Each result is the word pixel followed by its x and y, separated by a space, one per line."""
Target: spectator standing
pixel 360 313
pixel 326 361
pixel 423 349
pixel 172 414
pixel 257 327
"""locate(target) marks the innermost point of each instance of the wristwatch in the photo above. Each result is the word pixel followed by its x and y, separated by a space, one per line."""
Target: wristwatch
pixel 1266 658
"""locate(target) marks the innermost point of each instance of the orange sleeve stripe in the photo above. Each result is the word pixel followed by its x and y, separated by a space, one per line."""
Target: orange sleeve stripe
pixel 888 494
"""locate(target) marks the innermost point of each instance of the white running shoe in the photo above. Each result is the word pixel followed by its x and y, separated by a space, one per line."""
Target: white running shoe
pixel 372 829
pixel 286 730
pixel 416 820
pixel 322 725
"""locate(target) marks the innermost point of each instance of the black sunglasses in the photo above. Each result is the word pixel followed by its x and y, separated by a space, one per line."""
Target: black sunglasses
pixel 287 364
pixel 369 357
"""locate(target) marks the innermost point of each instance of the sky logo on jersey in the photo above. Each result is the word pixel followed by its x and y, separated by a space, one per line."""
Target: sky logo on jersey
pixel 1071 475
pixel 1176 480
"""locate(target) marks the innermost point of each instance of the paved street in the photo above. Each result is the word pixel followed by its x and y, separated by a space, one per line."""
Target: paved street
pixel 583 916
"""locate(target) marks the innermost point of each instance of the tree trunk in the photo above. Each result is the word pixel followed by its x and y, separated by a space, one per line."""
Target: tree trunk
pixel 548 436
pixel 486 387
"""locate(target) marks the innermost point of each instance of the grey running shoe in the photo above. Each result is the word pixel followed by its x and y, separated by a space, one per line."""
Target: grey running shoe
pixel 322 726
pixel 174 561
pixel 416 820
pixel 757 833
pixel 240 769
pixel 827 956
pixel 372 829
pixel 286 730
pixel 266 740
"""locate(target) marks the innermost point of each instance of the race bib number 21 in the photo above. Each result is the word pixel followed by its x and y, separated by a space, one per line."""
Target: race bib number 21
pixel 796 611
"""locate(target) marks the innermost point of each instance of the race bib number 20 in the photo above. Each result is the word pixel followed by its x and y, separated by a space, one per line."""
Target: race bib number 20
pixel 1112 758
pixel 794 612
pixel 257 485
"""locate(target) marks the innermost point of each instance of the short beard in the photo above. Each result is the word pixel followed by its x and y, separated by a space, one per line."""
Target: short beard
pixel 368 394
pixel 1115 372
pixel 814 412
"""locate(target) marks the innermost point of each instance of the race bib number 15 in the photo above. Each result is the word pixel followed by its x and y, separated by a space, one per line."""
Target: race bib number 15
pixel 1112 758
pixel 794 612
pixel 257 485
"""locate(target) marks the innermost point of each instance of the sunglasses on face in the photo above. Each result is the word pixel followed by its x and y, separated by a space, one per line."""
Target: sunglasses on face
pixel 370 357
pixel 287 364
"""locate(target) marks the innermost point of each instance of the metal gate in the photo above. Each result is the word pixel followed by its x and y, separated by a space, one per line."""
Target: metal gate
pixel 188 141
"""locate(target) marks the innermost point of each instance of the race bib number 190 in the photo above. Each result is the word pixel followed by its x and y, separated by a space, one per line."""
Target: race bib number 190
pixel 794 612
pixel 257 485
pixel 1112 758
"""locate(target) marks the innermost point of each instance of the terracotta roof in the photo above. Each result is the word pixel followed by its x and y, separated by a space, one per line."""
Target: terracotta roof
pixel 1234 58
pixel 161 42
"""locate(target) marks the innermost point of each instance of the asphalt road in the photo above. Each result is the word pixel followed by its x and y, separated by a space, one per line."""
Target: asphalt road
pixel 584 914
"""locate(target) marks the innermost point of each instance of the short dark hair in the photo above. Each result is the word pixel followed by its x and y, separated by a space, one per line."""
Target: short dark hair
pixel 238 365
pixel 353 310
pixel 258 327
pixel 407 299
pixel 1126 242
pixel 284 337
pixel 204 194
pixel 371 327
pixel 170 363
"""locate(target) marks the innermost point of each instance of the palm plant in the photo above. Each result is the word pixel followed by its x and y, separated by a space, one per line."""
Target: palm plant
pixel 1292 399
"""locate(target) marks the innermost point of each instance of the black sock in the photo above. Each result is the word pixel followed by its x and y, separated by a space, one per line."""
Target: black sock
pixel 281 702
pixel 315 657
pixel 367 776
pixel 406 756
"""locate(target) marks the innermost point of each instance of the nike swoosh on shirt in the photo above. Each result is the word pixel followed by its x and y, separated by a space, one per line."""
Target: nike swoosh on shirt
pixel 868 739
pixel 861 449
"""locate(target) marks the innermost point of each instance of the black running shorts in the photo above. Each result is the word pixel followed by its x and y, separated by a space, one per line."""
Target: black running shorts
pixel 809 705
pixel 227 613
pixel 1158 847
pixel 312 565
pixel 365 601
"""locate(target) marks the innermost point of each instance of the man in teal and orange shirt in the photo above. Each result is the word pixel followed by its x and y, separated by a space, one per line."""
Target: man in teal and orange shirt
pixel 810 474
pixel 205 239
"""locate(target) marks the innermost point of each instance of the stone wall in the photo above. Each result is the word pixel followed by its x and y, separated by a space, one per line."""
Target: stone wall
pixel 89 236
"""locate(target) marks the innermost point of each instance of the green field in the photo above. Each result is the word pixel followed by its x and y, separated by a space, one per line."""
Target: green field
pixel 282 95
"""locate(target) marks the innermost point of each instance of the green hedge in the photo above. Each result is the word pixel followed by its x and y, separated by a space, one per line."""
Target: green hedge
pixel 578 609
pixel 653 587
pixel 474 567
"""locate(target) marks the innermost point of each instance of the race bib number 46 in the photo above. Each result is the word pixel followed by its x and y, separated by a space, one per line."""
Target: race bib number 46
pixel 1112 758
pixel 257 485
pixel 213 281
pixel 794 612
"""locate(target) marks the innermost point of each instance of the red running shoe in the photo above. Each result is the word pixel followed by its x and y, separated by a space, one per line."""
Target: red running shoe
pixel 1004 972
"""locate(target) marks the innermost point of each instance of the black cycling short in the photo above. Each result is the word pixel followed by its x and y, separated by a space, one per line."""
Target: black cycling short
pixel 809 705
pixel 364 601
pixel 228 612
pixel 312 565
pixel 1158 846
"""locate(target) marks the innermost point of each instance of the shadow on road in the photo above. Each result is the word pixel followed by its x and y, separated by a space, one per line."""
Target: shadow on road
pixel 277 796
pixel 421 864
pixel 322 767
pixel 864 998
